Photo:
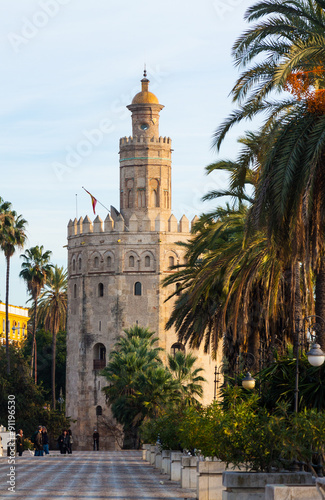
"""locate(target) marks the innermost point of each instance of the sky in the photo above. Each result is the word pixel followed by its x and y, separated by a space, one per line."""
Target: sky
pixel 68 66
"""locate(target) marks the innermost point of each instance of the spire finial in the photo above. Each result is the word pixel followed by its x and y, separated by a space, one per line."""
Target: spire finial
pixel 145 71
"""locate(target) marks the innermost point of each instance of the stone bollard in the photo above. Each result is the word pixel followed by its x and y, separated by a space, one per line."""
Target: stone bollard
pixel 175 465
pixel 152 454
pixel 148 453
pixel 209 480
pixel 244 485
pixel 189 472
pixel 144 451
pixel 165 462
pixel 158 458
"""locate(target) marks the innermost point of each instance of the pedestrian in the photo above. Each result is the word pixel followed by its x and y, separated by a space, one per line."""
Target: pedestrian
pixel 38 444
pixel 70 442
pixel 45 441
pixel 64 442
pixel 96 440
pixel 20 442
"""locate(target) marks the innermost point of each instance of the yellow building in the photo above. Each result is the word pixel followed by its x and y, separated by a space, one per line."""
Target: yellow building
pixel 18 317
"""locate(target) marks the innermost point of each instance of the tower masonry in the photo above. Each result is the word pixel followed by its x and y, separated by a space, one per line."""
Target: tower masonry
pixel 116 268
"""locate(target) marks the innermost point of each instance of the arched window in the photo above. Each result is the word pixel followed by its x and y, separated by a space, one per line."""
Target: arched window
pixel 74 265
pixel 147 261
pixel 74 291
pixel 24 334
pixel 171 261
pixel 141 198
pixel 177 347
pixel 100 326
pixel 79 263
pixel 99 411
pixel 100 290
pixel 130 198
pixel 109 261
pixel 131 261
pixel 99 356
pixel 138 288
pixel 155 199
pixel 18 330
pixel 96 262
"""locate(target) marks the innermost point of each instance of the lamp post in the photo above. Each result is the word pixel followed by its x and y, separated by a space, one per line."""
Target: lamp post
pixel 61 400
pixel 316 356
pixel 248 382
pixel 218 370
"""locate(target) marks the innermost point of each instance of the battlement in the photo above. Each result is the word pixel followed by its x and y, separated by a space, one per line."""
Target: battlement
pixel 147 224
pixel 144 140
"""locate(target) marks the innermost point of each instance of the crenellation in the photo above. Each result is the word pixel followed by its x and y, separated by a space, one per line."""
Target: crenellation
pixel 160 223
pixel 144 139
pixel 120 224
pixel 79 226
pixel 108 224
pixel 133 224
pixel 172 224
pixel 193 222
pixel 146 224
pixel 184 225
pixel 98 225
pixel 87 226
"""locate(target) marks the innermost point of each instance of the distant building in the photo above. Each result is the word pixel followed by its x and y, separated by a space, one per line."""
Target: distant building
pixel 18 318
pixel 116 268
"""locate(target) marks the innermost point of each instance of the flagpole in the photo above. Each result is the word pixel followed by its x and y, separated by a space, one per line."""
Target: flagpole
pixel 97 200
pixel 76 206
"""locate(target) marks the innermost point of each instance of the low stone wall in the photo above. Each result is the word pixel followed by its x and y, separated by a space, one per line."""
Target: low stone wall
pixel 284 492
pixel 189 472
pixel 251 485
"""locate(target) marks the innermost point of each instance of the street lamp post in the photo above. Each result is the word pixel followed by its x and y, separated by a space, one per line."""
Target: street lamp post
pixel 316 356
pixel 218 370
pixel 61 400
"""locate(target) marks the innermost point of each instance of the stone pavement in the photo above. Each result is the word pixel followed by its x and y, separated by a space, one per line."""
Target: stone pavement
pixel 118 475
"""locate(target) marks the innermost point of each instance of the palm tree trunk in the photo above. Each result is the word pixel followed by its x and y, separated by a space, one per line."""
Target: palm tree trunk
pixel 320 302
pixel 33 361
pixel 7 315
pixel 54 334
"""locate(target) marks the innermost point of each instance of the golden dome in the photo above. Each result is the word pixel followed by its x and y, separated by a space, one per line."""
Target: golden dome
pixel 145 97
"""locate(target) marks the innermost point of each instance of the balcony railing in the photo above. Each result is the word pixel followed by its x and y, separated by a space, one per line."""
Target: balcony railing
pixel 99 364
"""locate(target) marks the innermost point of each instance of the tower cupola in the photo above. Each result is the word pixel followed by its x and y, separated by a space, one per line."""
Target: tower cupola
pixel 145 109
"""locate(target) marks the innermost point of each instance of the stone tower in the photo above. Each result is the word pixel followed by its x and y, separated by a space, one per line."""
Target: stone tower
pixel 116 268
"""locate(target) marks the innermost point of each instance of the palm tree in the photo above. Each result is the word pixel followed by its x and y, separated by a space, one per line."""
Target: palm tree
pixel 35 270
pixel 139 384
pixel 189 379
pixel 53 311
pixel 11 237
pixel 287 42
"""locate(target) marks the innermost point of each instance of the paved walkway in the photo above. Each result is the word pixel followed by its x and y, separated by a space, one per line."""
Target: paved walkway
pixel 118 475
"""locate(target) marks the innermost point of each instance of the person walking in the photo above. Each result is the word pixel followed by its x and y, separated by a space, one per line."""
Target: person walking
pixel 64 442
pixel 38 444
pixel 20 442
pixel 45 441
pixel 96 440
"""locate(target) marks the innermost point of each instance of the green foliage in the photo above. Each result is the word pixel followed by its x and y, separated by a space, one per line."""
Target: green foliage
pixel 244 435
pixel 30 404
pixel 44 360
